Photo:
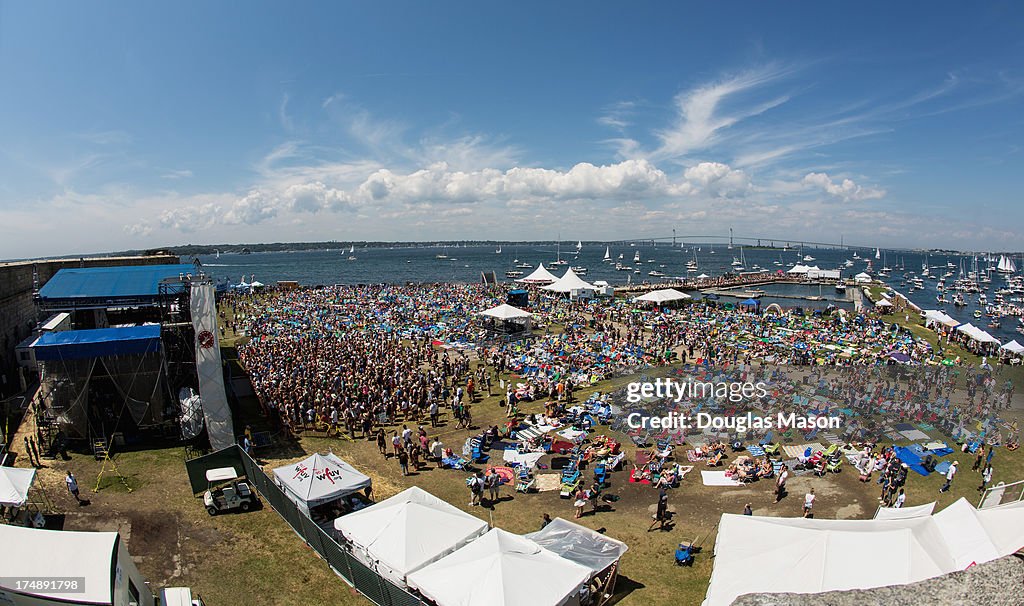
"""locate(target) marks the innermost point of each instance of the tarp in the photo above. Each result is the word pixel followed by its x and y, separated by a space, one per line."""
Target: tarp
pixel 123 282
pixel 97 343
pixel 539 276
pixel 756 554
pixel 408 531
pixel 216 410
pixel 32 552
pixel 505 312
pixel 319 479
pixel 580 544
pixel 664 295
pixel 905 513
pixel 569 282
pixel 501 569
pixel 15 483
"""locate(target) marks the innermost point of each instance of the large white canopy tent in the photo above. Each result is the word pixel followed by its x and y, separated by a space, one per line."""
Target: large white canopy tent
pixel 407 532
pixel 505 312
pixel 539 276
pixel 755 554
pixel 862 278
pixel 319 479
pixel 976 333
pixel 1013 347
pixel 569 282
pixel 15 483
pixel 940 317
pixel 501 569
pixel 665 295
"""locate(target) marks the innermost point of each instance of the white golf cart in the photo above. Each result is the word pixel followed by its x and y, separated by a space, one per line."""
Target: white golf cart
pixel 227 492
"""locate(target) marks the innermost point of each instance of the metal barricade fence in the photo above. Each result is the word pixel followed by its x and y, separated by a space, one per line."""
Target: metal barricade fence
pixel 365 580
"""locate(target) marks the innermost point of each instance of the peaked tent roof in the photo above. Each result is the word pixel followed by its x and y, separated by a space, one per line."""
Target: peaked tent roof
pixel 64 553
pixel 799 268
pixel 505 312
pixel 499 569
pixel 320 478
pixel 569 282
pixel 940 317
pixel 14 485
pixel 753 554
pixel 662 296
pixel 539 276
pixel 409 530
pixel 1013 347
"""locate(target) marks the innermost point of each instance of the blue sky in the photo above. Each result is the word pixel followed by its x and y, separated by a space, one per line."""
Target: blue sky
pixel 140 124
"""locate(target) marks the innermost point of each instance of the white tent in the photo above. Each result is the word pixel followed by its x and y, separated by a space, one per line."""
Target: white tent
pixel 505 312
pixel 703 277
pixel 569 282
pixel 905 513
pixel 934 315
pixel 883 303
pixel 799 268
pixel 501 569
pixel 319 479
pixel 862 278
pixel 408 531
pixel 14 485
pixel 976 333
pixel 756 554
pixel 1013 347
pixel 539 276
pixel 664 295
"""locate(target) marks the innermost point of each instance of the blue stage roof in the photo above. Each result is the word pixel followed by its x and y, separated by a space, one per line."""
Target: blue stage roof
pixel 110 283
pixel 97 343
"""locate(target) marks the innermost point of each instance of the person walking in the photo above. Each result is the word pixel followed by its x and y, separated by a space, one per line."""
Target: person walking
pixel 780 483
pixel 494 487
pixel 949 477
pixel 476 489
pixel 72 483
pixel 979 458
pixel 403 461
pixel 581 502
pixel 900 499
pixel 809 504
pixel 661 513
pixel 986 477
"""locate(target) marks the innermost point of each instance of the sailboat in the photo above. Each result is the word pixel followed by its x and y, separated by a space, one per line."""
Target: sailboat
pixel 351 250
pixel 559 260
pixel 878 254
pixel 607 254
pixel 498 252
pixel 579 245
pixel 636 257
pixel 1006 265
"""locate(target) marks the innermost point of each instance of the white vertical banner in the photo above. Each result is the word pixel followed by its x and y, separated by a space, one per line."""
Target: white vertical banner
pixel 208 365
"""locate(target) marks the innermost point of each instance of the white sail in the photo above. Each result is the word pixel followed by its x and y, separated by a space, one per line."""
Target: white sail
pixel 607 254
pixel 878 254
pixel 353 249
pixel 636 257
pixel 579 244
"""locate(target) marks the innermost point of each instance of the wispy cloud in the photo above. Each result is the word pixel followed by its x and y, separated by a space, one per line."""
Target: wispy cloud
pixel 177 174
pixel 283 116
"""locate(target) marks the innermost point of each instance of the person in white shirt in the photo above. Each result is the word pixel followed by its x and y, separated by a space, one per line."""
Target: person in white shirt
pixel 986 477
pixel 900 498
pixel 780 483
pixel 949 476
pixel 809 504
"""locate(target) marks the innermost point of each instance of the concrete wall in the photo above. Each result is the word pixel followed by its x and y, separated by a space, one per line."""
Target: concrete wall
pixel 17 309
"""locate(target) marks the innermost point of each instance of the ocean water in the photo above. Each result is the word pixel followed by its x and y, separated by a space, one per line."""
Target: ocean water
pixel 465 264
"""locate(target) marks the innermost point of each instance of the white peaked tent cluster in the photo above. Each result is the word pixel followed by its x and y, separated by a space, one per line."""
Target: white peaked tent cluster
pixel 319 479
pixel 756 554
pixel 412 529
pixel 505 312
pixel 15 483
pixel 539 276
pixel 976 333
pixel 665 295
pixel 939 317
pixel 501 568
pixel 862 278
pixel 799 268
pixel 569 282
pixel 1013 347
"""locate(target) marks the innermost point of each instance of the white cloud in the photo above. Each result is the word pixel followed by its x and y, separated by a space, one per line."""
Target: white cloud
pixel 846 190
pixel 177 174
pixel 718 179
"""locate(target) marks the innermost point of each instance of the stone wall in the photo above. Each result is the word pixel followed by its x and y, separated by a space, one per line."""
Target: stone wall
pixel 18 316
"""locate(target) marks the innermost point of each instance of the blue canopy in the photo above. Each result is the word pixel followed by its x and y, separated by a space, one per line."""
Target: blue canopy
pixel 109 284
pixel 750 302
pixel 97 343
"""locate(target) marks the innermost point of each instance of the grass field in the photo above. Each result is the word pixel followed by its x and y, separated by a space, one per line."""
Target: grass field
pixel 256 557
